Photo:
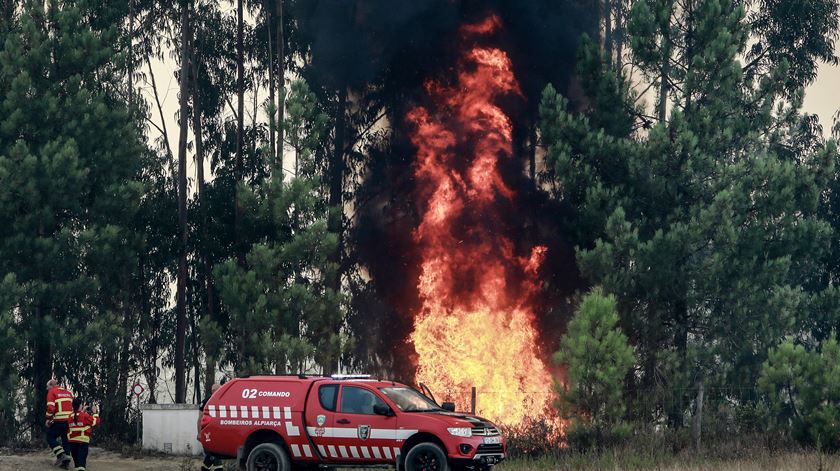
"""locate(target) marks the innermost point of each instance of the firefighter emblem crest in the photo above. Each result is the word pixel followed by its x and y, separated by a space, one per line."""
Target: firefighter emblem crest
pixel 364 432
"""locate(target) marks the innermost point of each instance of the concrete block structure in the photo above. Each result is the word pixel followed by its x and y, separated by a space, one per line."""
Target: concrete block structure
pixel 170 428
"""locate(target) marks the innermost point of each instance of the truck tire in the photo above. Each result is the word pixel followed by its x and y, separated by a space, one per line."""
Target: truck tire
pixel 426 457
pixel 268 457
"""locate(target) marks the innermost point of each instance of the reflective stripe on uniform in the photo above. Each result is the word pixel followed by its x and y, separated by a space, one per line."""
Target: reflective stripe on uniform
pixel 79 434
pixel 63 413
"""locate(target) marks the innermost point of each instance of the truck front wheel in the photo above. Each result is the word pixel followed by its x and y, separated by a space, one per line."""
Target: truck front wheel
pixel 268 457
pixel 426 457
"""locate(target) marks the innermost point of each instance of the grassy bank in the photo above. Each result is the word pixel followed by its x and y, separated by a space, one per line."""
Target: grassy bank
pixel 621 460
pixel 674 452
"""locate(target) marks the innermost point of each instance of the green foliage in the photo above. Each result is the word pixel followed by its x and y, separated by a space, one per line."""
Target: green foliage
pixel 706 225
pixel 282 310
pixel 597 359
pixel 70 170
pixel 10 339
pixel 804 389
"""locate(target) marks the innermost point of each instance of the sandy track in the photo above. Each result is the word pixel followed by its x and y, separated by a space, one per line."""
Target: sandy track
pixel 98 460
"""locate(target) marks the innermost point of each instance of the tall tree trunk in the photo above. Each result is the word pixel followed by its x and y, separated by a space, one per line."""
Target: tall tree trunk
pixel 196 363
pixel 618 36
pixel 681 346
pixel 608 29
pixel 665 68
pixel 697 419
pixel 131 57
pixel 662 106
pixel 128 326
pixel 281 81
pixel 42 372
pixel 240 130
pixel 336 203
pixel 207 268
pixel 272 117
pixel 145 311
pixel 181 294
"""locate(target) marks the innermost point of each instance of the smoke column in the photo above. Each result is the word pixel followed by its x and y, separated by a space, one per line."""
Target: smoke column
pixel 475 325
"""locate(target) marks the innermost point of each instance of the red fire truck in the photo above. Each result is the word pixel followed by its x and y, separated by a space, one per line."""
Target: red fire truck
pixel 274 422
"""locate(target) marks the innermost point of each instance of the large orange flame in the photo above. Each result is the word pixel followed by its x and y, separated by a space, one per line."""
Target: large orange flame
pixel 475 327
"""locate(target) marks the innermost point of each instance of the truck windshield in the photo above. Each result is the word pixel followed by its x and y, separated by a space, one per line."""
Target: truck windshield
pixel 409 400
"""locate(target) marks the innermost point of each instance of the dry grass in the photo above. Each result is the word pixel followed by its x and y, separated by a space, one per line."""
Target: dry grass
pixel 673 452
pixel 788 461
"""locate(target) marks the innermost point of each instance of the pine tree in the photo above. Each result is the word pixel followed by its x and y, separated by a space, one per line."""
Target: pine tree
pixel 69 169
pixel 803 388
pixel 705 226
pixel 597 358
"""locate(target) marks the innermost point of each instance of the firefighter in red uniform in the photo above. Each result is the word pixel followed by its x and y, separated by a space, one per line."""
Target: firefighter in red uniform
pixel 81 425
pixel 59 409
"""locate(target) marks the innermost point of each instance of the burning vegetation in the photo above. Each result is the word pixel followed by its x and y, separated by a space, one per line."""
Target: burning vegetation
pixel 470 270
pixel 475 326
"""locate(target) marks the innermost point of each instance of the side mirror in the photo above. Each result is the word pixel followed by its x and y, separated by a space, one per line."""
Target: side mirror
pixel 448 406
pixel 382 409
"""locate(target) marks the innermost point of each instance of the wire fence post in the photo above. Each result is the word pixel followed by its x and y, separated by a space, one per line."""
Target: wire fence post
pixel 139 416
pixel 472 400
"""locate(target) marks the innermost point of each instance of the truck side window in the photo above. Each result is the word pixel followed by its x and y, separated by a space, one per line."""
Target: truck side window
pixel 327 395
pixel 358 400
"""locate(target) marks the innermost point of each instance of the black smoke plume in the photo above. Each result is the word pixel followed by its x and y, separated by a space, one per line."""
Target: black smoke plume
pixel 383 51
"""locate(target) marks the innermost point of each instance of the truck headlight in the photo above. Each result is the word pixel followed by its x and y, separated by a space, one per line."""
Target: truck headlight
pixel 460 431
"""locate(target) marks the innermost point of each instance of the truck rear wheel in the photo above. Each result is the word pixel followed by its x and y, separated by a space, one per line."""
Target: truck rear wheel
pixel 426 457
pixel 268 457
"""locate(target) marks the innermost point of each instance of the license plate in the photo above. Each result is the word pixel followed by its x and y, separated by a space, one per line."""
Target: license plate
pixel 492 440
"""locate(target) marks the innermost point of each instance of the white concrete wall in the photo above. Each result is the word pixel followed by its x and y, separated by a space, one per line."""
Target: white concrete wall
pixel 170 428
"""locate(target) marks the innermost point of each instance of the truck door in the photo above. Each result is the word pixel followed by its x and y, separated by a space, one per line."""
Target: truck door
pixel 320 417
pixel 369 437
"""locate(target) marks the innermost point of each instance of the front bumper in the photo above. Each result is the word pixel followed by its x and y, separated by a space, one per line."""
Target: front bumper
pixel 480 455
pixel 478 461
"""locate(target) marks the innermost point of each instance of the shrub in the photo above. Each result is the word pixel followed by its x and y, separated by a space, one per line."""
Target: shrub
pixel 804 390
pixel 598 358
pixel 533 438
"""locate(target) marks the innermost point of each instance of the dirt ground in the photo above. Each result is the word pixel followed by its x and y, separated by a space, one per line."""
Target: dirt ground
pixel 101 460
pixel 98 460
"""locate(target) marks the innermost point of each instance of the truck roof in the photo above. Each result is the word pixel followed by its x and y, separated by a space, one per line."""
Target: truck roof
pixel 312 378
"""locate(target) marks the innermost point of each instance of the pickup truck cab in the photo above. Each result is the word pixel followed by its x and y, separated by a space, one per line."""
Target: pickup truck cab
pixel 274 422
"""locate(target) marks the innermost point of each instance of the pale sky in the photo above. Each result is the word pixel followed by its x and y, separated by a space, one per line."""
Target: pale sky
pixel 822 98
